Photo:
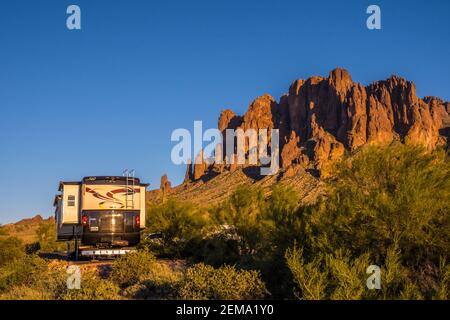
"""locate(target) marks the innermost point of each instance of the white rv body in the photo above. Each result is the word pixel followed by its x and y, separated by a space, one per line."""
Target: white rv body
pixel 95 194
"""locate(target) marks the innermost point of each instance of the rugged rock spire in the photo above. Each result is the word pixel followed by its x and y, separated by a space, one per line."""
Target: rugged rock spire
pixel 188 175
pixel 165 185
pixel 200 166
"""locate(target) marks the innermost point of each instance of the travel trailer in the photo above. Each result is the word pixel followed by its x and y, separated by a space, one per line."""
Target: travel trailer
pixel 101 215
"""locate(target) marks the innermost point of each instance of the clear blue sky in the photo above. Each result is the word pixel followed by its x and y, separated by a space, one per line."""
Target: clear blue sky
pixel 96 101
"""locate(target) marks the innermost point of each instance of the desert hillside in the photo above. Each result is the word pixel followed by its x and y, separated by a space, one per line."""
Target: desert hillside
pixel 214 190
pixel 25 229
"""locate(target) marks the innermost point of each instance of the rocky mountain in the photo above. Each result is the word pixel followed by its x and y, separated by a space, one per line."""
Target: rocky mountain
pixel 320 119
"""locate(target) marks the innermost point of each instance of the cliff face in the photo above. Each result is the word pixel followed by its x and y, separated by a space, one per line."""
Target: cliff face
pixel 322 117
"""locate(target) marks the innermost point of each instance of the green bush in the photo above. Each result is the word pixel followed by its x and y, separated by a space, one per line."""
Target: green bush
pixel 47 237
pixel 220 246
pixel 132 268
pixel 443 293
pixel 202 282
pixel 181 225
pixel 246 215
pixel 286 227
pixel 310 279
pixel 347 275
pixel 387 206
pixel 32 248
pixel 25 293
pixel 397 194
pixel 161 283
pixel 11 249
pixel 93 288
pixel 338 276
pixel 32 272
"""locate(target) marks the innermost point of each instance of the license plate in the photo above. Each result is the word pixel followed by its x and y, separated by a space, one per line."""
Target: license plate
pixel 94 229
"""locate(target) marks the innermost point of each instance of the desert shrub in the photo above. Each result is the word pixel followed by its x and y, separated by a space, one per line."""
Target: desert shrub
pixel 343 277
pixel 286 218
pixel 285 228
pixel 387 206
pixel 221 245
pixel 246 213
pixel 443 292
pixel 25 293
pixel 10 249
pixel 93 288
pixel 283 204
pixel 347 275
pixel 32 248
pixel 132 268
pixel 47 237
pixel 203 282
pixel 335 276
pixel 253 232
pixel 161 283
pixel 32 272
pixel 384 195
pixel 181 225
pixel 310 278
pixel 24 271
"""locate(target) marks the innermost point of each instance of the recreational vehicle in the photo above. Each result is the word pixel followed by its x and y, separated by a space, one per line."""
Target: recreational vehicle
pixel 101 215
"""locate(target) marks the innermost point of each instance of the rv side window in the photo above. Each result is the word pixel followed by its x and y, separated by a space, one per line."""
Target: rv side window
pixel 71 201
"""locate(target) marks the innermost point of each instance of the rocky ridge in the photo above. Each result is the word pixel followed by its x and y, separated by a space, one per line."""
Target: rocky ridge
pixel 319 120
pixel 322 117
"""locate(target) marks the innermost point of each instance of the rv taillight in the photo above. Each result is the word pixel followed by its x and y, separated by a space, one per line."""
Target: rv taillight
pixel 138 220
pixel 84 220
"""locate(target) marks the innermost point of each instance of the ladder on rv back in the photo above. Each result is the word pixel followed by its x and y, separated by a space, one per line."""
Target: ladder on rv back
pixel 129 188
